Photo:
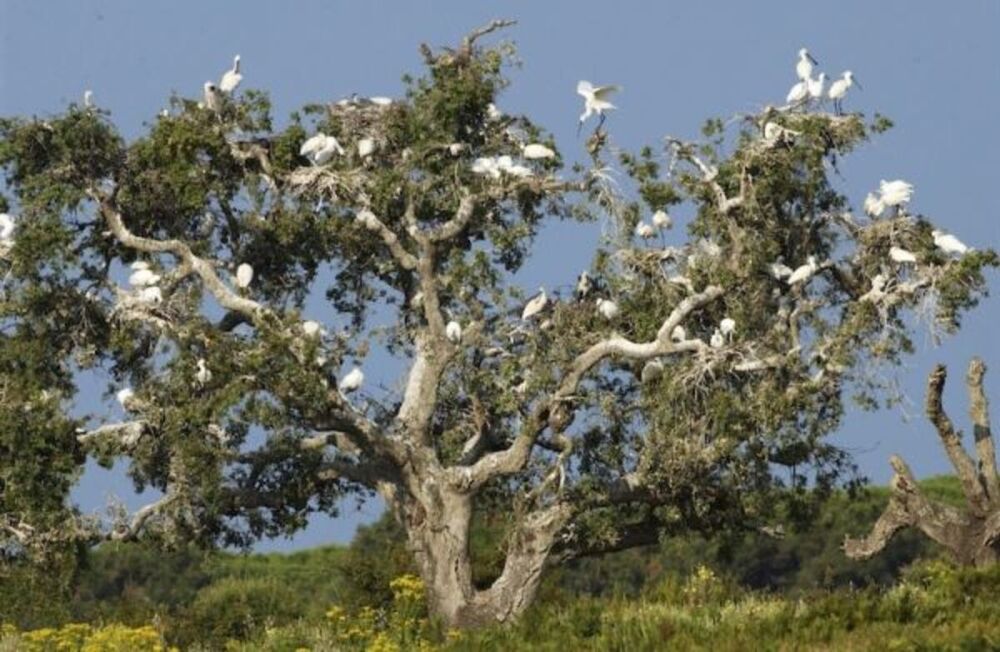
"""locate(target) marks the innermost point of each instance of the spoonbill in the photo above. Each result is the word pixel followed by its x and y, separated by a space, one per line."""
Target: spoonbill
pixel 804 272
pixel 728 326
pixel 839 88
pixel 798 93
pixel 231 78
pixel 320 148
pixel 595 100
pixel 537 151
pixel 213 100
pixel 717 341
pixel 804 66
pixel 948 243
pixel 535 305
pixel 815 87
pixel 352 381
pixel 661 220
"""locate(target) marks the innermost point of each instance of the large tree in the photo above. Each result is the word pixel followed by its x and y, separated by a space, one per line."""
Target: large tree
pixel 579 430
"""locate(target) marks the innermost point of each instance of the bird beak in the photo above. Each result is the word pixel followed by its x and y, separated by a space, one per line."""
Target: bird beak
pixel 579 127
pixel 858 84
pixel 810 57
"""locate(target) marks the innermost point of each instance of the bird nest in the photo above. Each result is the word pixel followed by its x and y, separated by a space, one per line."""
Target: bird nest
pixel 322 181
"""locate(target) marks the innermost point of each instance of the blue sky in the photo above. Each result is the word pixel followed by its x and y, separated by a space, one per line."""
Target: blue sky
pixel 931 67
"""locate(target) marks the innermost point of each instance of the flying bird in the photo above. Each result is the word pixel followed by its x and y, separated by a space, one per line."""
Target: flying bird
pixel 948 243
pixel 595 100
pixel 232 78
pixel 244 276
pixel 453 331
pixel 535 305
pixel 804 66
pixel 213 99
pixel 352 381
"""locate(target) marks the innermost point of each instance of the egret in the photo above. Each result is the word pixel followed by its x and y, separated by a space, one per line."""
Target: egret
pixel 779 270
pixel 151 294
pixel 143 277
pixel 804 66
pixel 311 328
pixel 815 87
pixel 584 284
pixel 661 220
pixel 203 375
pixel 232 78
pixel 352 381
pixel 535 305
pixel 728 326
pixel 88 99
pixel 839 88
pixel 717 340
pixel 244 275
pixel 804 272
pixel 874 206
pixel 595 100
pixel 645 231
pixel 651 371
pixel 213 100
pixel 608 308
pixel 320 148
pixel 798 93
pixel 537 151
pixel 900 255
pixel 678 334
pixel 895 193
pixel 125 397
pixel 948 243
pixel 365 147
pixel 453 331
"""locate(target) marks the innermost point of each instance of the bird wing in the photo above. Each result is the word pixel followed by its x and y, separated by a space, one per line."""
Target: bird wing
pixel 603 92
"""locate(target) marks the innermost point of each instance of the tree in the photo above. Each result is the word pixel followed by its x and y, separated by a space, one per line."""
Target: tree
pixel 573 433
pixel 971 535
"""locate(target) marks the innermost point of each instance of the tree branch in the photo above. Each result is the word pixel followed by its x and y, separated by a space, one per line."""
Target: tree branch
pixel 405 259
pixel 979 413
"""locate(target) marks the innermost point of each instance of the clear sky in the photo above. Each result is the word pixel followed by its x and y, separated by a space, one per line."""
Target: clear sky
pixel 931 67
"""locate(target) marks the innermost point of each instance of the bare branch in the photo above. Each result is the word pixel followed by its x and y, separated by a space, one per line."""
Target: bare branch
pixel 125 435
pixel 979 412
pixel 470 40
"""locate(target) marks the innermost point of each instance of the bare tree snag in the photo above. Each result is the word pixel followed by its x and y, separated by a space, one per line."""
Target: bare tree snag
pixel 972 535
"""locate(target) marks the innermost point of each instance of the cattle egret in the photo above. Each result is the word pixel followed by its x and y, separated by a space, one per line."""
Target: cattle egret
pixel 584 285
pixel 661 220
pixel 608 308
pixel 780 270
pixel 232 78
pixel 244 275
pixel 213 100
pixel 651 371
pixel 535 305
pixel 125 397
pixel 645 231
pixel 595 100
pixel 320 148
pixel 900 255
pixel 874 206
pixel 949 243
pixel 352 381
pixel 804 66
pixel 311 328
pixel 717 340
pixel 365 147
pixel 88 99
pixel 151 294
pixel 839 88
pixel 798 93
pixel 537 151
pixel 895 193
pixel 804 272
pixel 453 331
pixel 678 334
pixel 728 326
pixel 203 375
pixel 815 87
pixel 143 277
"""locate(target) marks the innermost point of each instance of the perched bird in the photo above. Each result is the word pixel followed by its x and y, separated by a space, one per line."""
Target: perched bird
pixel 486 165
pixel 151 294
pixel 231 78
pixel 139 264
pixel 535 305
pixel 874 206
pixel 899 255
pixel 203 375
pixel 717 341
pixel 651 371
pixel 352 381
pixel 804 66
pixel 320 148
pixel 798 93
pixel 645 231
pixel 678 334
pixel 815 87
pixel 380 100
pixel 584 284
pixel 88 99
pixel 804 272
pixel 244 276
pixel 367 218
pixel 895 193
pixel 456 148
pixel 839 88
pixel 453 331
pixel 213 99
pixel 311 328
pixel 728 326
pixel 7 227
pixel 595 100
pixel 492 112
pixel 365 147
pixel 143 277
pixel 125 397
pixel 779 270
pixel 661 220
pixel 948 243
pixel 536 151
pixel 608 308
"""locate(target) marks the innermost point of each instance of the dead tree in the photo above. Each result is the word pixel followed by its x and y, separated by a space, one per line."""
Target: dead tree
pixel 972 535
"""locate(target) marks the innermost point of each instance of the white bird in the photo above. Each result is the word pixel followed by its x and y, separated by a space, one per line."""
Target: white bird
pixel 584 285
pixel 537 151
pixel 352 381
pixel 839 88
pixel 453 331
pixel 213 100
pixel 88 99
pixel 874 206
pixel 948 243
pixel 595 100
pixel 492 112
pixel 320 148
pixel 804 66
pixel 456 148
pixel 486 165
pixel 124 397
pixel 717 340
pixel 311 328
pixel 798 93
pixel 728 326
pixel 678 334
pixel 380 100
pixel 139 264
pixel 608 308
pixel 645 231
pixel 7 226
pixel 232 78
pixel 244 276
pixel 651 371
pixel 661 220
pixel 895 193
pixel 368 219
pixel 804 272
pixel 143 277
pixel 900 255
pixel 151 294
pixel 203 375
pixel 780 270
pixel 535 305
pixel 365 147
pixel 815 87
